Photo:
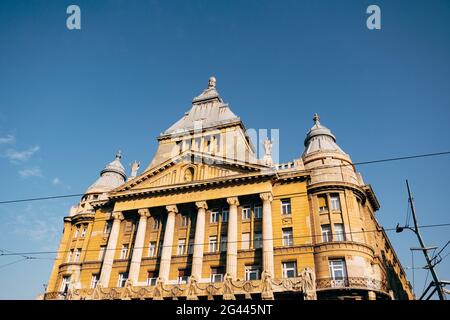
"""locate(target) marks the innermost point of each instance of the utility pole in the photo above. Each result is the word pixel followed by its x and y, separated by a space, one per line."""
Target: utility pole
pixel 430 266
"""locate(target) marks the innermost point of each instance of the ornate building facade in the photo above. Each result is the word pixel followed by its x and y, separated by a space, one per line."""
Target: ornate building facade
pixel 207 219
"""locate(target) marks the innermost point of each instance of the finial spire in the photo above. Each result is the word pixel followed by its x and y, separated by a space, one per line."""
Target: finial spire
pixel 119 155
pixel 316 118
pixel 212 82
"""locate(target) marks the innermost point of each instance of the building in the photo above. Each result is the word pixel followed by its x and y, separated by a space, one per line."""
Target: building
pixel 207 219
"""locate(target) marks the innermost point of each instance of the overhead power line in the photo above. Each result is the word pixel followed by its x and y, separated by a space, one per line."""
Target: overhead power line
pixel 322 167
pixel 207 243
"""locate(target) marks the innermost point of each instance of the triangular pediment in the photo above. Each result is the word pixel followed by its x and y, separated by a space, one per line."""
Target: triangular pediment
pixel 190 167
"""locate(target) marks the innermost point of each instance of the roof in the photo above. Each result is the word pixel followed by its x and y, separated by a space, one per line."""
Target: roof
pixel 111 177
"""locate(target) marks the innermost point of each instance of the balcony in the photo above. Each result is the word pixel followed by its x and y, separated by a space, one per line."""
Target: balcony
pixel 351 283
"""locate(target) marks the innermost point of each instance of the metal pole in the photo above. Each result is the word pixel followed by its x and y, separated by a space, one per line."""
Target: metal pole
pixel 438 285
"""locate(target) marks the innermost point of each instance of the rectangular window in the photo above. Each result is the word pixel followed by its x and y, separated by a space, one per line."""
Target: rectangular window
pixel 155 223
pixel 94 280
pixel 152 249
pixel 77 231
pixel 257 240
pixel 334 201
pixel 339 232
pixel 124 251
pixel 65 284
pixel 101 253
pixel 183 275
pixel 289 269
pixel 251 273
pixel 288 239
pixel 245 245
pixel 191 246
pixel 213 216
pixel 246 213
pixel 108 226
pixel 123 277
pixel 258 212
pixel 338 271
pixel 285 206
pixel 151 278
pixel 83 231
pixel 326 233
pixel 223 243
pixel 181 248
pixel 323 203
pixel 69 256
pixel 212 245
pixel 184 221
pixel 76 258
pixel 224 215
pixel 216 274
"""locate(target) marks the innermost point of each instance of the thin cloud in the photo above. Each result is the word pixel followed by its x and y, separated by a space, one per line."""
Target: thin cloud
pixel 56 181
pixel 8 139
pixel 31 172
pixel 15 156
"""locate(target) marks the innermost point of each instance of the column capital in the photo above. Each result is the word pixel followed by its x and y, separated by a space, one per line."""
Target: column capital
pixel 117 215
pixel 172 208
pixel 201 205
pixel 266 196
pixel 144 212
pixel 233 201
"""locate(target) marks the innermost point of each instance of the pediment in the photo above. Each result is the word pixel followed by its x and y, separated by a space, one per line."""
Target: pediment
pixel 190 167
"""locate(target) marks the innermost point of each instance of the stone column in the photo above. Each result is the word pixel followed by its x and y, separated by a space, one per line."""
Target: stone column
pixel 267 233
pixel 232 237
pixel 108 261
pixel 199 239
pixel 135 265
pixel 166 254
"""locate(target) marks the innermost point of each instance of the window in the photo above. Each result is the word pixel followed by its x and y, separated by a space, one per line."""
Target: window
pixel 124 251
pixel 223 243
pixel 123 277
pixel 339 233
pixel 183 276
pixel 76 258
pixel 251 273
pixel 285 206
pixel 289 269
pixel 245 245
pixel 83 231
pixel 224 215
pixel 152 249
pixel 69 256
pixel 323 203
pixel 288 239
pixel 216 274
pixel 338 270
pixel 101 253
pixel 94 280
pixel 258 212
pixel 77 231
pixel 257 240
pixel 191 246
pixel 184 221
pixel 246 213
pixel 151 278
pixel 181 248
pixel 108 226
pixel 212 244
pixel 326 233
pixel 155 223
pixel 213 216
pixel 334 201
pixel 65 284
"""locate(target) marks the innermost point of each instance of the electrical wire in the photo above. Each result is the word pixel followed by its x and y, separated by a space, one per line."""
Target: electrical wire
pixel 319 168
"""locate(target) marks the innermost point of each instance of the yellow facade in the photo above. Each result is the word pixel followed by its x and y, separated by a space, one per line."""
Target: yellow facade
pixel 302 230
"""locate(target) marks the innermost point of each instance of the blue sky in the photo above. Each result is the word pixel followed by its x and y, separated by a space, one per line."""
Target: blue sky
pixel 70 99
